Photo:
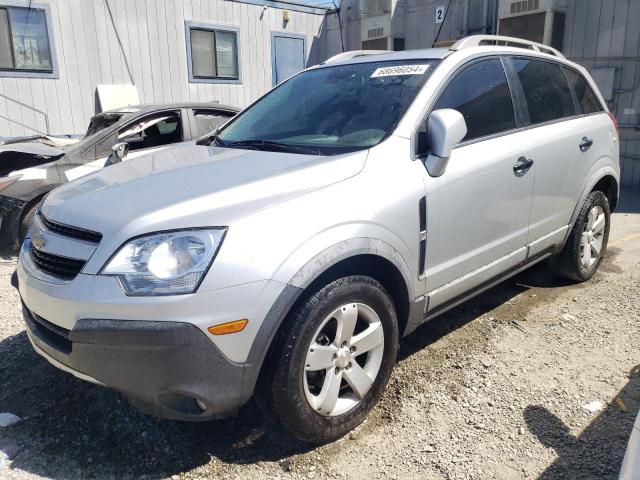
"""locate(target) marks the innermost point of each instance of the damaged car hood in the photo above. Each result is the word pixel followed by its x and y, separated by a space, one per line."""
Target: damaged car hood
pixel 18 156
pixel 191 186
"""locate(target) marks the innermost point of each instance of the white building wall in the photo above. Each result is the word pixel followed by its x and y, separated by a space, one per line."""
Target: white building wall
pixel 142 42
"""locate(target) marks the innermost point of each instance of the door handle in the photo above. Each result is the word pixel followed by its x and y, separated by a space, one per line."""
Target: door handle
pixel 522 165
pixel 585 144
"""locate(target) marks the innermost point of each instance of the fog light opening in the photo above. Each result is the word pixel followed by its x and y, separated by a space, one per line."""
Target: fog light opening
pixel 181 403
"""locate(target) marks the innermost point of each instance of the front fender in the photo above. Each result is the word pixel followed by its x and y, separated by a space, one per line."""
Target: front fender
pixel 339 251
pixel 305 272
pixel 331 246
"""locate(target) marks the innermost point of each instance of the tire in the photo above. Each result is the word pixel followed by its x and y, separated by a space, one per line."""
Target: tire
pixel 314 326
pixel 27 222
pixel 570 262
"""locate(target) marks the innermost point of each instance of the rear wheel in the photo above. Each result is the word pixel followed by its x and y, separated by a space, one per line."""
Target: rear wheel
pixel 587 243
pixel 333 359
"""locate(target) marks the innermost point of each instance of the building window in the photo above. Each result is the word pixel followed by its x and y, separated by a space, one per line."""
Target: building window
pixel 212 54
pixel 25 42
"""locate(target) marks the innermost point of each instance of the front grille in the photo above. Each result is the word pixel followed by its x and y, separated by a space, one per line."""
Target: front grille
pixel 56 265
pixel 55 336
pixel 73 232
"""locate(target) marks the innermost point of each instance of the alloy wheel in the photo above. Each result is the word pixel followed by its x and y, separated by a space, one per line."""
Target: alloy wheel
pixel 593 236
pixel 343 359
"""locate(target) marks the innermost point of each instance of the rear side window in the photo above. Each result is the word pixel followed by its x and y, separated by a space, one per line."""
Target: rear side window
pixel 481 94
pixel 545 89
pixel 208 120
pixel 584 94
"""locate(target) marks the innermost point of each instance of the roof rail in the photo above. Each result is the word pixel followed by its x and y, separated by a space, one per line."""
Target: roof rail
pixel 353 54
pixel 477 40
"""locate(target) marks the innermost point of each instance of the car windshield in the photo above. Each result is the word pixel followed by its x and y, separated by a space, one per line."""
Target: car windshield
pixel 330 110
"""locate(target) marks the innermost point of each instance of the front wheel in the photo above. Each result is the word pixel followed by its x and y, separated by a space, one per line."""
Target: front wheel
pixel 333 359
pixel 587 243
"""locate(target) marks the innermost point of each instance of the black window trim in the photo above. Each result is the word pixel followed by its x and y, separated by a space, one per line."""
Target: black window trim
pixel 574 96
pixel 525 107
pixel 562 65
pixel 578 106
pixel 30 72
pixel 517 95
pixel 517 115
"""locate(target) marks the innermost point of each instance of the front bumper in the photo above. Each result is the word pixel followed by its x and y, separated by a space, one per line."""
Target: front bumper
pixel 156 350
pixel 167 369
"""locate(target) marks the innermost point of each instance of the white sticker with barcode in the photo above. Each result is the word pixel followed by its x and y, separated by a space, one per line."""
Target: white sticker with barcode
pixel 399 70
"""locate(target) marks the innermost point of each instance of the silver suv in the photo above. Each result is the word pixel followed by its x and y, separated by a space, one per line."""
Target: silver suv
pixel 286 254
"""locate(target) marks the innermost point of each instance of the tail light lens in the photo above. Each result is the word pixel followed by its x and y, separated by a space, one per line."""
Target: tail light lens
pixel 615 123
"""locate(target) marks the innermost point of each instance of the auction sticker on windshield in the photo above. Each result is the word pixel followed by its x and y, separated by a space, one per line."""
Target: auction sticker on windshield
pixel 399 70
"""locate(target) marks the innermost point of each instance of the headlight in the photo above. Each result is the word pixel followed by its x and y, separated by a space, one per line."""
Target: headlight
pixel 165 263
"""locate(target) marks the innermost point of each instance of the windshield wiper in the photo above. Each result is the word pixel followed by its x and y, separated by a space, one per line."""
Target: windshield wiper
pixel 270 145
pixel 209 139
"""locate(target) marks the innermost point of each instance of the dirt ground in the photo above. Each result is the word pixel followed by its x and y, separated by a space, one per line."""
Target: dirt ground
pixel 492 390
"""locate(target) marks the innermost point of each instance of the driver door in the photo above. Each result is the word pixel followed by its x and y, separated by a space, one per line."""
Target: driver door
pixel 478 210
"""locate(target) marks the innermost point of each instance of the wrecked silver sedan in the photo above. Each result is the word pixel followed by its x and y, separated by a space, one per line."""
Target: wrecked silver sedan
pixel 32 167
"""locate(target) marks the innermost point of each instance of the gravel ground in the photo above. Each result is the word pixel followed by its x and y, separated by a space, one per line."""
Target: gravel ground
pixel 494 389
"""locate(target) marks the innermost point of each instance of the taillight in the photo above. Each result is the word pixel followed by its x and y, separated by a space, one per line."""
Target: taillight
pixel 615 123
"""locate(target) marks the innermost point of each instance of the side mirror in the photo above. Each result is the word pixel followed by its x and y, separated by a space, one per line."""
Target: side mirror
pixel 118 152
pixel 445 129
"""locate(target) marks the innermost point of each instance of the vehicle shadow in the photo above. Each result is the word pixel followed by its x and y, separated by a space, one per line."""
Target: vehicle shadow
pixel 596 453
pixel 537 276
pixel 73 429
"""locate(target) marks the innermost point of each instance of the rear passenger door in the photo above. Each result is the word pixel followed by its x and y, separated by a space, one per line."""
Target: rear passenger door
pixel 555 129
pixel 478 210
pixel 598 139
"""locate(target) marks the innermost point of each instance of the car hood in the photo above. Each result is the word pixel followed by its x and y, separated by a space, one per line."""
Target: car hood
pixel 15 157
pixel 190 186
pixel 32 148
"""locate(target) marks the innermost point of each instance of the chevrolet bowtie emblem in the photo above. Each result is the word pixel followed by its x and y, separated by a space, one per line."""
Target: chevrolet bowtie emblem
pixel 39 241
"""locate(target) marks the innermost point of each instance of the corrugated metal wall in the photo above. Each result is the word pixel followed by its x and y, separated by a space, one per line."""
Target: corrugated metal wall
pixel 422 30
pixel 142 42
pixel 420 27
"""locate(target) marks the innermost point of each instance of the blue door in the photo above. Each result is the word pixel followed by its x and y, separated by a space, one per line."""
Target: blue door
pixel 287 55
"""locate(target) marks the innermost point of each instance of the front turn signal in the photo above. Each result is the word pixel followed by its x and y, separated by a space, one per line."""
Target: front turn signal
pixel 229 327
